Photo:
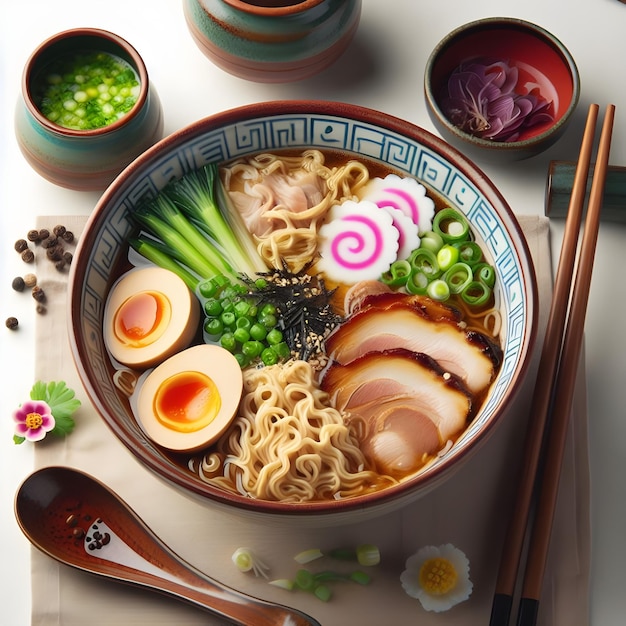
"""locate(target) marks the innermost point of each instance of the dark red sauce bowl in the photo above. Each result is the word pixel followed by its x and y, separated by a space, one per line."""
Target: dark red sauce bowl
pixel 539 56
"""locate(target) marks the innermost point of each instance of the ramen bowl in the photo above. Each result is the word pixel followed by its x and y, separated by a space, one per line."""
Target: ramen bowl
pixel 343 132
pixel 81 132
pixel 525 81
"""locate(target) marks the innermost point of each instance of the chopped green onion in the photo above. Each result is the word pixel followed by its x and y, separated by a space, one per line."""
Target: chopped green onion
pixel 283 583
pixel 447 256
pixel 397 274
pixel 458 277
pixel 305 580
pixel 451 225
pixel 432 241
pixel 360 577
pixel 469 252
pixel 476 293
pixel 323 593
pixel 306 556
pixel 438 290
pixel 343 554
pixel 368 554
pixel 486 274
pixel 245 561
pixel 425 261
pixel 329 576
pixel 417 283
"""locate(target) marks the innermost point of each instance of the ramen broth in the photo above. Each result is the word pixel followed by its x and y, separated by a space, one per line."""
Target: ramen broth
pixel 361 474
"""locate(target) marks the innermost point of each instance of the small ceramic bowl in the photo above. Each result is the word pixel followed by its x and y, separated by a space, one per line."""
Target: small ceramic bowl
pixel 74 157
pixel 272 41
pixel 526 68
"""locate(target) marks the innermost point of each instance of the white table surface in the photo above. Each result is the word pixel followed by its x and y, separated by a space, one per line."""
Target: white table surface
pixel 383 69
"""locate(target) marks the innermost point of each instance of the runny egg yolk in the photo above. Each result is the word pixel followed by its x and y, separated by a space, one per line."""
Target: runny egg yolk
pixel 142 318
pixel 187 401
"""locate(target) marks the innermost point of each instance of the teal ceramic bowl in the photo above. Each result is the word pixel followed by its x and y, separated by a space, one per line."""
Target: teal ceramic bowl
pixel 272 40
pixel 77 158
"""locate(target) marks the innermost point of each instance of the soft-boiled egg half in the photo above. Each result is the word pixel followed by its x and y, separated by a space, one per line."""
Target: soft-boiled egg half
pixel 189 400
pixel 150 314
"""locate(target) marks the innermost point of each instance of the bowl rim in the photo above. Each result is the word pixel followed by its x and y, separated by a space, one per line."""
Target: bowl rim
pixel 276 9
pixel 133 57
pixel 520 24
pixel 178 477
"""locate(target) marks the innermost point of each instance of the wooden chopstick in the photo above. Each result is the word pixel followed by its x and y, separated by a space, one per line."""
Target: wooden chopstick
pixel 546 376
pixel 563 393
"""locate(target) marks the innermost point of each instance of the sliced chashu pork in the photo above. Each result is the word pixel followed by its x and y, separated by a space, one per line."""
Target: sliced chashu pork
pixel 408 404
pixel 388 321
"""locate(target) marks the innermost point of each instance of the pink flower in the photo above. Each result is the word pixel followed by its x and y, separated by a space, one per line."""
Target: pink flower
pixel 33 420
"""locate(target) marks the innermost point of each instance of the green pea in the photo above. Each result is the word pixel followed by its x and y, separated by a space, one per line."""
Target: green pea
pixel 258 332
pixel 242 359
pixel 243 322
pixel 268 320
pixel 228 318
pixel 274 336
pixel 214 326
pixel 207 289
pixel 252 348
pixel 213 307
pixel 282 350
pixel 269 356
pixel 241 335
pixel 228 342
pixel 241 308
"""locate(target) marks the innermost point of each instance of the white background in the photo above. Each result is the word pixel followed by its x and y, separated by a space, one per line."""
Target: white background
pixel 383 69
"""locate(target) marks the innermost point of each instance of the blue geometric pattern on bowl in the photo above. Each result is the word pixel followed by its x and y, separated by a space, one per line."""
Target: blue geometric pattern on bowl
pixel 323 132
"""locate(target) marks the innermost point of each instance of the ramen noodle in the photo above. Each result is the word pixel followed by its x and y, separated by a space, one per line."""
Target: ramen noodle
pixel 286 443
pixel 283 200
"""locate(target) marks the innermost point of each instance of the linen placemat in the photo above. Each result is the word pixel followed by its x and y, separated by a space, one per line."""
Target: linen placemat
pixel 469 510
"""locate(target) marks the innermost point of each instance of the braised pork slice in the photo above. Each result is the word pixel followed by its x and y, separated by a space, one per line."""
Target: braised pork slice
pixel 388 321
pixel 409 406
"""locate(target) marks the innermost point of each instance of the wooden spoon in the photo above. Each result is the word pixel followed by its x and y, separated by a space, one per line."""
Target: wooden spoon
pixel 77 520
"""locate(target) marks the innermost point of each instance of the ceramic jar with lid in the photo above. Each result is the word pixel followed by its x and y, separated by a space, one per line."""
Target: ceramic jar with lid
pixel 272 40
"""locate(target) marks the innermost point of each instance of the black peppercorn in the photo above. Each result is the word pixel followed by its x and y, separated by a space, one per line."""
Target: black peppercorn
pixel 38 293
pixel 12 323
pixel 60 265
pixel 44 233
pixel 68 236
pixel 21 245
pixel 33 235
pixel 50 241
pixel 59 230
pixel 18 283
pixel 55 253
pixel 28 256
pixel 67 257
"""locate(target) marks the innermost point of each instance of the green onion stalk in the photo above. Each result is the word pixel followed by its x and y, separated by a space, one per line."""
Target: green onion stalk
pixel 186 230
pixel 201 197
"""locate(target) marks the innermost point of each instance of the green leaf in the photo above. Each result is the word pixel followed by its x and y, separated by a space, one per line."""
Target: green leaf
pixel 62 402
pixel 17 439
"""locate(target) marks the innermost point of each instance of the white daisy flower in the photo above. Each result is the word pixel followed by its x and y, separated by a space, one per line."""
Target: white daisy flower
pixel 438 577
